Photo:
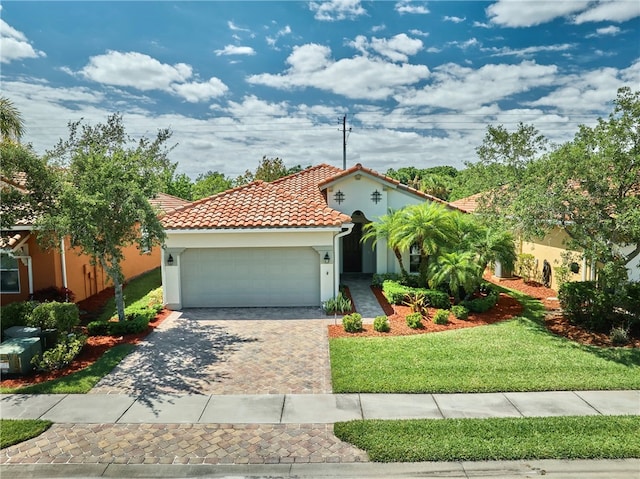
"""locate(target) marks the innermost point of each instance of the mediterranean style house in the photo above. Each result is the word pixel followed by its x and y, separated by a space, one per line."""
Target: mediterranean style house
pixel 280 243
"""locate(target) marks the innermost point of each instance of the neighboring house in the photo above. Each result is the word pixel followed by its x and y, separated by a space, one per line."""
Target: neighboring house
pixel 27 268
pixel 282 243
pixel 551 248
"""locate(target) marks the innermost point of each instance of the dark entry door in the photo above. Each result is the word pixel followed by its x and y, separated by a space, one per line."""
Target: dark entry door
pixel 352 250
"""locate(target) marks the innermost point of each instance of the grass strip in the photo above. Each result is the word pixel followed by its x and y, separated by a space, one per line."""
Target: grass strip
pixel 573 437
pixel 14 431
pixel 134 292
pixel 80 382
pixel 515 355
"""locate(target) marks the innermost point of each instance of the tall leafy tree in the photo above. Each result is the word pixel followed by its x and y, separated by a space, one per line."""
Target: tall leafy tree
pixel 106 180
pixel 210 183
pixel 589 186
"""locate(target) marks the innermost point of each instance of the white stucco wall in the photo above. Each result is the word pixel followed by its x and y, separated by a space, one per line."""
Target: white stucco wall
pixel 177 241
pixel 633 267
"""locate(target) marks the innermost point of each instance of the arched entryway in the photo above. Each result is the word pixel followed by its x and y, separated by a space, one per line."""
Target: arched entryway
pixel 357 257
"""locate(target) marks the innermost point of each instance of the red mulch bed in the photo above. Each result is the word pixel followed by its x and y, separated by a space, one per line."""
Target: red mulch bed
pixel 506 308
pixel 95 347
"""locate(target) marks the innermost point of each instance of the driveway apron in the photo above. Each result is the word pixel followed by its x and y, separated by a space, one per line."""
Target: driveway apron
pixel 228 351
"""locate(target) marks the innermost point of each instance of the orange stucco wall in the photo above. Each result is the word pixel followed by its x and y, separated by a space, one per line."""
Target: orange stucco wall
pixel 83 278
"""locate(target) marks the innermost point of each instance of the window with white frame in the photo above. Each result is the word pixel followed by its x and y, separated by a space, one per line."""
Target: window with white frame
pixel 414 258
pixel 9 274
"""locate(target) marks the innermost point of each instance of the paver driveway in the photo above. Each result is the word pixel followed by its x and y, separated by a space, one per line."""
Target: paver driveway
pixel 228 351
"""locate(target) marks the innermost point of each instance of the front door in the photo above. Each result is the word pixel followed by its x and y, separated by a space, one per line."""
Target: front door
pixel 352 250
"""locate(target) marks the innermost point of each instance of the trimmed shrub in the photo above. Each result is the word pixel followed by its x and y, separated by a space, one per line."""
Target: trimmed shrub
pixel 137 321
pixel 381 324
pixel 441 317
pixel 53 293
pixel 16 314
pixel 460 312
pixel 61 354
pixel 61 316
pixel 98 328
pixel 437 299
pixel 414 320
pixel 483 304
pixel 380 278
pixel 394 291
pixel 588 306
pixel 352 323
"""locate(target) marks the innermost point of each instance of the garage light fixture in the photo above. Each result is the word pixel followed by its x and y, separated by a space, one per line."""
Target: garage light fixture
pixel 170 260
pixel 327 258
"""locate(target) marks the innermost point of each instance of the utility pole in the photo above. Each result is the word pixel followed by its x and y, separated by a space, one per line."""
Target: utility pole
pixel 344 142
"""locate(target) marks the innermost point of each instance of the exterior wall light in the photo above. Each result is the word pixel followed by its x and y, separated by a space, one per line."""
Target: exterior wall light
pixel 327 258
pixel 170 260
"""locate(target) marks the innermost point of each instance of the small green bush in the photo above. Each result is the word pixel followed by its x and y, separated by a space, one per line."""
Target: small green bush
pixel 16 314
pixel 381 324
pixel 61 354
pixel 380 278
pixel 619 336
pixel 137 321
pixel 98 328
pixel 394 291
pixel 414 320
pixel 397 293
pixel 352 323
pixel 460 312
pixel 437 299
pixel 339 304
pixel 441 317
pixel 61 316
pixel 483 304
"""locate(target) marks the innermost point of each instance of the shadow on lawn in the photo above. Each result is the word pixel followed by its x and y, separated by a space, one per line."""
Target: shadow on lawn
pixel 173 360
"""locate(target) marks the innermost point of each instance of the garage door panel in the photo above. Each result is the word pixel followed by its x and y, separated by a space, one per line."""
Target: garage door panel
pixel 227 277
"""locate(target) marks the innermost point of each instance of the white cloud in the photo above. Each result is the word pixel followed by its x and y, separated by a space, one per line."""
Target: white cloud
pixel 136 70
pixel 235 50
pixel 460 88
pixel 196 92
pixel 610 30
pixel 508 13
pixel 418 33
pixel 610 10
pixel 472 42
pixel 272 40
pixel 454 19
pixel 235 28
pixel 14 45
pixel 529 51
pixel 333 10
pixel 407 6
pixel 378 28
pixel 311 65
pixel 397 48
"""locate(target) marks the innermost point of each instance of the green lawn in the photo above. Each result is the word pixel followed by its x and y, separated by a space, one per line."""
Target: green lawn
pixel 516 355
pixel 134 291
pixel 13 431
pixel 583 437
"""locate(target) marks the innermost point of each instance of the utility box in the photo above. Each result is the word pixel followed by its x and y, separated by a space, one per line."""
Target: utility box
pixel 16 355
pixel 21 332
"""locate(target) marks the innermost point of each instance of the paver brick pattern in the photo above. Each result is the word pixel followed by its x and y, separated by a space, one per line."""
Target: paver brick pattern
pixel 183 444
pixel 192 354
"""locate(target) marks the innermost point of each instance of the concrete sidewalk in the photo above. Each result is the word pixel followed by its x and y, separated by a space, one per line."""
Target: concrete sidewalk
pixel 309 408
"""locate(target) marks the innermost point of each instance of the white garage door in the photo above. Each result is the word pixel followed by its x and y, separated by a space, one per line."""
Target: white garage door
pixel 239 277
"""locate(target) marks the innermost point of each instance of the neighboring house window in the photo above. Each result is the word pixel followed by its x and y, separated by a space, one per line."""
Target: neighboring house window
pixel 414 259
pixel 9 274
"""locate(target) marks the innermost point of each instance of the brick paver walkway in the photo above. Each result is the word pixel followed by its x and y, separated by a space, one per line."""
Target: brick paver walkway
pixel 183 444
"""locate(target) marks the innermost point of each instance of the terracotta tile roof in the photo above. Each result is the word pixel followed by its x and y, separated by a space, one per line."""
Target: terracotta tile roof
pixel 281 204
pixel 358 168
pixel 468 204
pixel 10 239
pixel 306 183
pixel 166 202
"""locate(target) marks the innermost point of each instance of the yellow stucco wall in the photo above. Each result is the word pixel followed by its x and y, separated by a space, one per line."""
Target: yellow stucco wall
pixel 550 248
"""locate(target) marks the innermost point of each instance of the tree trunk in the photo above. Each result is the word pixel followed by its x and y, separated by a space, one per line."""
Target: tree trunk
pixel 114 274
pixel 398 254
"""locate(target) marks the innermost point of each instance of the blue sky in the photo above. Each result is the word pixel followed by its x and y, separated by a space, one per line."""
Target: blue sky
pixel 418 81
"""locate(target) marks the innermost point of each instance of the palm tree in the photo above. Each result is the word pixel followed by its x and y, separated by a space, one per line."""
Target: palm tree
pixel 428 225
pixel 386 227
pixel 459 270
pixel 496 245
pixel 11 123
